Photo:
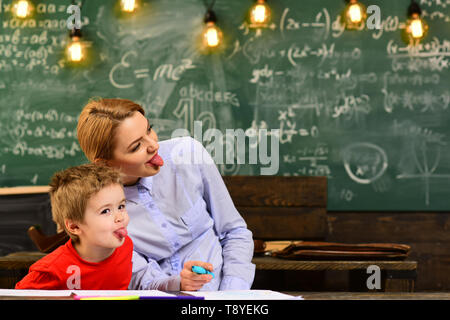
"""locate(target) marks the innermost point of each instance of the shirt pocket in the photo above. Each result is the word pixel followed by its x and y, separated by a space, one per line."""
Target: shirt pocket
pixel 197 219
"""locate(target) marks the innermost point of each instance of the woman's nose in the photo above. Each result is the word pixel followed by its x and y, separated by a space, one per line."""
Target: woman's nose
pixel 152 146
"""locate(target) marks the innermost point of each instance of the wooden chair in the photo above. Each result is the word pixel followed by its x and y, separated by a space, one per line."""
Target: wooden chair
pixel 295 208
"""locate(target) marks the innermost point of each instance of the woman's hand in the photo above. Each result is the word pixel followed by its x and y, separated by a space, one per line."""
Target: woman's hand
pixel 191 281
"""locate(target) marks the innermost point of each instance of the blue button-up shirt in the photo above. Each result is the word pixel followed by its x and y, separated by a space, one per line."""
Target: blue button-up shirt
pixel 186 213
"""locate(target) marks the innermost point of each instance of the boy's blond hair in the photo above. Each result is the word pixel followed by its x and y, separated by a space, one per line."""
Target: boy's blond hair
pixel 71 189
pixel 98 123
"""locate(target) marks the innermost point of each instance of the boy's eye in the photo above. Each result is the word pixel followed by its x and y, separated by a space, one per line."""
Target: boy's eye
pixel 121 207
pixel 104 211
pixel 149 129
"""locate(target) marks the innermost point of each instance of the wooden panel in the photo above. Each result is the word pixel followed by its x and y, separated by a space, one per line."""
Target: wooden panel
pixel 17 214
pixel 270 223
pixel 426 232
pixel 270 263
pixel 276 191
pixel 403 227
pixel 24 190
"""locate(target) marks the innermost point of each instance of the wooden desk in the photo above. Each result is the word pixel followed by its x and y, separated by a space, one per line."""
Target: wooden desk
pixel 372 295
pixel 14 266
pixel 317 296
pixel 397 276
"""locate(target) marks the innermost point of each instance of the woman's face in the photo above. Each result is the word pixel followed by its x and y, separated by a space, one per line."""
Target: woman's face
pixel 135 150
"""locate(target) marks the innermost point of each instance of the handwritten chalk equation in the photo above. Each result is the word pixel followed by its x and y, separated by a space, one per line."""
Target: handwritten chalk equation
pixel 124 68
pixel 425 102
pixel 22 149
pixel 364 162
pixel 426 158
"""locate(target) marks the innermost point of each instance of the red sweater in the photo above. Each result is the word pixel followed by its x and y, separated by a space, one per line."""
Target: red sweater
pixel 59 270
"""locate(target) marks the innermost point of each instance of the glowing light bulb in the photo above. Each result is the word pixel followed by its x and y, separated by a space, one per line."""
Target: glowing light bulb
pixel 22 8
pixel 212 36
pixel 75 51
pixel 128 5
pixel 416 28
pixel 354 13
pixel 259 14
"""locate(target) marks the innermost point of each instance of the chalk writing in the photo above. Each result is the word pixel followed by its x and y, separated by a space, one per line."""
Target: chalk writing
pixel 364 162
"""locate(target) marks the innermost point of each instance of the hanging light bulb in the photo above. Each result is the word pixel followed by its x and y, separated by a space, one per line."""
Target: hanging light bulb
pixel 259 14
pixel 22 8
pixel 212 35
pixel 128 5
pixel 354 15
pixel 75 49
pixel 416 28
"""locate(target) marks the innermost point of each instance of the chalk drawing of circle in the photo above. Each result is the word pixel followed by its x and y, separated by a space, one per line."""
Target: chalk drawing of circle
pixel 369 160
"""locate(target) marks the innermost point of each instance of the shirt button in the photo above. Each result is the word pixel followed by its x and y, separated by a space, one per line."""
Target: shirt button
pixel 176 244
pixel 164 225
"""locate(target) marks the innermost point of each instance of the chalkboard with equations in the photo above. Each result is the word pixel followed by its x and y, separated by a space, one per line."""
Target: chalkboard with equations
pixel 360 107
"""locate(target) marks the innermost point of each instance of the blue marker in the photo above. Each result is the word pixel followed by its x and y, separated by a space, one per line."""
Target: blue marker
pixel 200 270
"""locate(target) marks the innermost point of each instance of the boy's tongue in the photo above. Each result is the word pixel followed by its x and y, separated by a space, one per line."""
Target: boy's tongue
pixel 121 233
pixel 156 161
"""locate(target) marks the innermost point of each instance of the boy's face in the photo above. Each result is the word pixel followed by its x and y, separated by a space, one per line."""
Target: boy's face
pixel 105 219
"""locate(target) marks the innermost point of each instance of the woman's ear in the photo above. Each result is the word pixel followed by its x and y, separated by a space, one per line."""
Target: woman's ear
pixel 72 227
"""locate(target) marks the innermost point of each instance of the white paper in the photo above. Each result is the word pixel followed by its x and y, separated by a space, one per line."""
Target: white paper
pixel 243 295
pixel 67 293
pixel 122 293
pixel 35 293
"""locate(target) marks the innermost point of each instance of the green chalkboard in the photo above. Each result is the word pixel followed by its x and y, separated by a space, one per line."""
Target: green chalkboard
pixel 360 107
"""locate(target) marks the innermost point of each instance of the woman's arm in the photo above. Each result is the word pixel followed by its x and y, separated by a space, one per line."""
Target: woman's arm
pixel 147 275
pixel 235 238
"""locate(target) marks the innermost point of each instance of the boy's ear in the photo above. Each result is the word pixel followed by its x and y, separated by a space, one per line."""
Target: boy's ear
pixel 100 161
pixel 72 227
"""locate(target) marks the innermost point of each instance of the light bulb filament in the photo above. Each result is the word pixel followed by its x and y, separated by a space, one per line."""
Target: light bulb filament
pixel 128 5
pixel 259 13
pixel 22 8
pixel 75 51
pixel 354 12
pixel 416 28
pixel 212 37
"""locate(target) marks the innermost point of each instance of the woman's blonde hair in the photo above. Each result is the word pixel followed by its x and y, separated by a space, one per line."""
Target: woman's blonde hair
pixel 71 189
pixel 98 123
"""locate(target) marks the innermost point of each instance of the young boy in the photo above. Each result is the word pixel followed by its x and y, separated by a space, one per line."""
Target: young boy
pixel 89 203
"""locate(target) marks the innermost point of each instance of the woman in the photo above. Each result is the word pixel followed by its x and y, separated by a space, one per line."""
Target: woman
pixel 181 214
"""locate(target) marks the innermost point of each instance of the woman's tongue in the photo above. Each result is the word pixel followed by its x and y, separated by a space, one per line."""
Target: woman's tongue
pixel 156 161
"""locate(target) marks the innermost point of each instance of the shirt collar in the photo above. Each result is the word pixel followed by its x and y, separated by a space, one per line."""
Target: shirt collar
pixel 132 192
pixel 146 182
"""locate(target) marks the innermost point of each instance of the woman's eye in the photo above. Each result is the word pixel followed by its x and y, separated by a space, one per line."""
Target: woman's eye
pixel 137 147
pixel 105 211
pixel 149 129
